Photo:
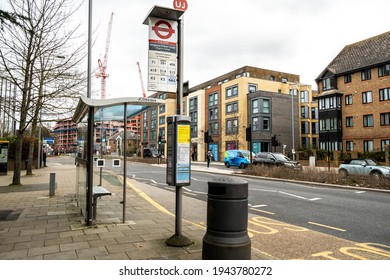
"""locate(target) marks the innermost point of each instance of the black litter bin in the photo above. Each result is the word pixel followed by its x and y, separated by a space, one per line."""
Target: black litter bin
pixel 227 221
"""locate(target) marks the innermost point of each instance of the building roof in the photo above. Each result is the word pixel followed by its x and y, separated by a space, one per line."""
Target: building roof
pixel 114 108
pixel 248 71
pixel 364 54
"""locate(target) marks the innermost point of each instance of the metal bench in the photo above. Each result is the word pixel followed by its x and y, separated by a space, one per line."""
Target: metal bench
pixel 97 193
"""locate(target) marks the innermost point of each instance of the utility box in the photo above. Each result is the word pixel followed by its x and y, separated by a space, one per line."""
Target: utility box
pixel 178 151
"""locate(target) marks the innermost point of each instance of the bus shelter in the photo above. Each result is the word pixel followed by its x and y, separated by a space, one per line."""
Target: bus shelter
pixel 88 113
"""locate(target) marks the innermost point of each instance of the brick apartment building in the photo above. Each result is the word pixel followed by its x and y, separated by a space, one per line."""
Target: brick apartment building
pixel 354 97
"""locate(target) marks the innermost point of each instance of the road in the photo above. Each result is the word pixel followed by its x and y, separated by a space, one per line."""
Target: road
pixel 288 219
pixel 361 216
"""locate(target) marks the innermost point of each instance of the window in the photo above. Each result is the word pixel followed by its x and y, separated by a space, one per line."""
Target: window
pixel 154 113
pixel 368 146
pixel 304 96
pixel 314 113
pixel 194 117
pixel 255 106
pixel 385 119
pixel 261 105
pixel 161 120
pixel 327 83
pixel 349 121
pixel 314 128
pixel 347 78
pixel 304 112
pixel 162 96
pixel 266 123
pixel 232 91
pixel 367 97
pixel 161 109
pixel 384 143
pixel 384 94
pixel 213 128
pixel 305 127
pixel 232 107
pixel 231 126
pixel 213 99
pixel 349 146
pixel 266 106
pixel 213 114
pixel 384 70
pixel 252 88
pixel 255 124
pixel 193 103
pixel 330 124
pixel 366 75
pixel 368 120
pixel 348 99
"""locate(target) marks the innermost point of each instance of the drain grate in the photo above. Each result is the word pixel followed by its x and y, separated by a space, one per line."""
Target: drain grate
pixel 10 214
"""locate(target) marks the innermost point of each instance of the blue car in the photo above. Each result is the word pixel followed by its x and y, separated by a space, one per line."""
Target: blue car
pixel 235 158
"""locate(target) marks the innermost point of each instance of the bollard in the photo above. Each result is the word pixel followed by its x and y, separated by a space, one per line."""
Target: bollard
pixel 52 185
pixel 227 237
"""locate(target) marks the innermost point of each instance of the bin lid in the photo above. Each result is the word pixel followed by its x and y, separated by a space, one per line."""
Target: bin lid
pixel 228 188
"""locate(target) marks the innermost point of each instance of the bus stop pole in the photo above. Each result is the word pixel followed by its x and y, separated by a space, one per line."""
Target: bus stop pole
pixel 124 162
pixel 90 123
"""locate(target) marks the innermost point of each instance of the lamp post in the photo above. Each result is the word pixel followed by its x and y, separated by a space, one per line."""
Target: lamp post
pixel 292 124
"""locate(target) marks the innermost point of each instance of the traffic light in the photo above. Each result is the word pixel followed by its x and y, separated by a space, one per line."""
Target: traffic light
pixel 248 134
pixel 274 141
pixel 104 136
pixel 206 137
pixel 159 140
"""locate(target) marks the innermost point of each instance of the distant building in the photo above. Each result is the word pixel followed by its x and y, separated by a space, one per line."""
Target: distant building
pixel 65 136
pixel 354 97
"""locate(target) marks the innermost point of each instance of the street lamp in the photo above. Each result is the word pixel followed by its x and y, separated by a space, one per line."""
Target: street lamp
pixel 292 123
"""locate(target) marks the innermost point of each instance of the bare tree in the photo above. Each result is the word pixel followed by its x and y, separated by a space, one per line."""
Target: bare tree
pixel 42 57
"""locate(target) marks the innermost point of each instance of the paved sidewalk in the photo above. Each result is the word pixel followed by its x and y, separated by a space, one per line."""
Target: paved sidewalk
pixel 36 226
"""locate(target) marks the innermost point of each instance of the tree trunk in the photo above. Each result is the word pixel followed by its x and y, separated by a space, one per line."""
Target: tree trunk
pixel 30 158
pixel 18 158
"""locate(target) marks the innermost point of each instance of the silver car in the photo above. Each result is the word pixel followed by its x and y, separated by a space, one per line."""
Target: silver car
pixel 366 167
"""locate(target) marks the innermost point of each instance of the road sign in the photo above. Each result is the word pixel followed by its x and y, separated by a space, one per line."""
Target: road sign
pixel 163 29
pixel 162 66
pixel 181 5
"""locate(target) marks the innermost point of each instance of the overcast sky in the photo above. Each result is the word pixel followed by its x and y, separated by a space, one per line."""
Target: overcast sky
pixel 299 37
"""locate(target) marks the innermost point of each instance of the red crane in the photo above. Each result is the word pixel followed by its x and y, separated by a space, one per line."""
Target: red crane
pixel 103 65
pixel 142 82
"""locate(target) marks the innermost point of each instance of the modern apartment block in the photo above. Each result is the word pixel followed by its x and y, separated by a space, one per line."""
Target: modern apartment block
pixel 273 103
pixel 267 101
pixel 354 97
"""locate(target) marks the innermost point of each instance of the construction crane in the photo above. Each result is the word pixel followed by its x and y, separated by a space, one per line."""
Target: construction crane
pixel 103 65
pixel 142 82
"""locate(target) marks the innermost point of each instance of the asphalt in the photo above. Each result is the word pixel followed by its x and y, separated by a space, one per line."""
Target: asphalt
pixel 36 226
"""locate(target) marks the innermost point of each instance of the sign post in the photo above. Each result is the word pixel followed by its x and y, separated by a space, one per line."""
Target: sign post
pixel 178 170
pixel 4 157
pixel 166 75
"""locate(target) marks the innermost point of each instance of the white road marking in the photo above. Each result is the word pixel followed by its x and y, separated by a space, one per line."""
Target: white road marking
pixel 257 206
pixel 300 197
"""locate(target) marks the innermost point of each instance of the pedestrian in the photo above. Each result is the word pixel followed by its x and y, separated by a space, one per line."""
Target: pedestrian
pixel 208 157
pixel 44 156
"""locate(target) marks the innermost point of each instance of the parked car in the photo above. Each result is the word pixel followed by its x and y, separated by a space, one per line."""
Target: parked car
pixel 276 159
pixel 235 158
pixel 150 153
pixel 368 167
pixel 247 154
